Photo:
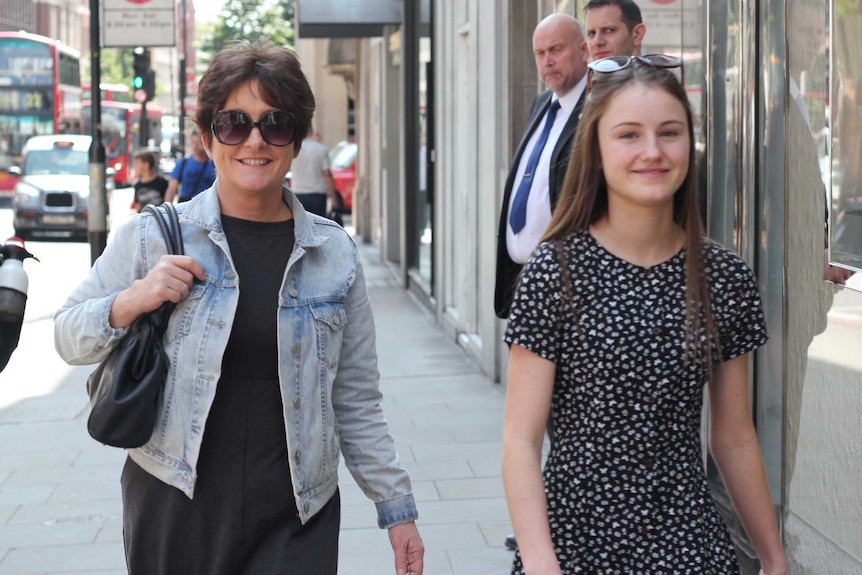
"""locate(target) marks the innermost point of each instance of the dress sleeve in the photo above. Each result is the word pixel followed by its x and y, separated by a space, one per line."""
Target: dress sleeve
pixel 534 320
pixel 738 310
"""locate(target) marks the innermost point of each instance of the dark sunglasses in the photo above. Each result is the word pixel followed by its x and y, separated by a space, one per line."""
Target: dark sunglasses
pixel 616 63
pixel 232 127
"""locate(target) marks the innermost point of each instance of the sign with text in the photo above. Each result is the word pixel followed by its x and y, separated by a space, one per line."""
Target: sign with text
pixel 147 23
pixel 26 100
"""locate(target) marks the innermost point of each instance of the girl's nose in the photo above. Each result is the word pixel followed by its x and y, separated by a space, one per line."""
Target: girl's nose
pixel 651 148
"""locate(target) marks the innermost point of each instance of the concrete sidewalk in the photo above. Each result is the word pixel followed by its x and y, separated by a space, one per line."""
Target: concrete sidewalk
pixel 60 503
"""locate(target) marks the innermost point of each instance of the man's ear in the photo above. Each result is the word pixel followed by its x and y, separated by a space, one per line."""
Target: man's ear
pixel 638 33
pixel 585 52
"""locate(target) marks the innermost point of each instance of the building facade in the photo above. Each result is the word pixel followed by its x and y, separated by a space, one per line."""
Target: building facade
pixel 63 20
pixel 442 95
pixel 16 15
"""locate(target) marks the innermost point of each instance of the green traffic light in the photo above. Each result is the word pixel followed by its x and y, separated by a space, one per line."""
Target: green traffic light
pixel 138 82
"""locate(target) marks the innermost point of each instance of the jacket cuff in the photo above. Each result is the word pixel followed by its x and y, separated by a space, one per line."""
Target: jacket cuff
pixel 396 511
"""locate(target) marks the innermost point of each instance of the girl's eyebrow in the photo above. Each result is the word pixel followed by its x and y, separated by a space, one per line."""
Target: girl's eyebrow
pixel 633 123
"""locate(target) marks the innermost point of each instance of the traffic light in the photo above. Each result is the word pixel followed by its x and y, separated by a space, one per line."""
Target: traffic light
pixel 142 69
pixel 150 84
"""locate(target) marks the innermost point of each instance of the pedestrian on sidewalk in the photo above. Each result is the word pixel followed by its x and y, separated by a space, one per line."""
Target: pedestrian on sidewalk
pixel 150 187
pixel 273 366
pixel 539 165
pixel 192 174
pixel 623 314
pixel 311 177
pixel 613 28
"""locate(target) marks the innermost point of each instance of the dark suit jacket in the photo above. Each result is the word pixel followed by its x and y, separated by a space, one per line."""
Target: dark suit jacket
pixel 508 270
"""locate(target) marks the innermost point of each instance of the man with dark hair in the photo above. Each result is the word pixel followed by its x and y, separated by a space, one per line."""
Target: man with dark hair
pixel 192 174
pixel 150 186
pixel 614 28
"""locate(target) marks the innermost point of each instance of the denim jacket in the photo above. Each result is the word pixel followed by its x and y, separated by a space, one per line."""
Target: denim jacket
pixel 327 357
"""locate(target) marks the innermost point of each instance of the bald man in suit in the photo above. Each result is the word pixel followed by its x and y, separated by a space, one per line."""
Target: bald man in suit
pixel 539 166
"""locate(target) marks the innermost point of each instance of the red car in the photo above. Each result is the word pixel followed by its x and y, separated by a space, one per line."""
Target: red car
pixel 343 166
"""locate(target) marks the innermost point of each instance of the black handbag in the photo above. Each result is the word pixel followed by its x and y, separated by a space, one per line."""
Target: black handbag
pixel 335 217
pixel 124 390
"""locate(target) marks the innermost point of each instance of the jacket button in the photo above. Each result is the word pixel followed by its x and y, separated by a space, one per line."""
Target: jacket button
pixel 295 347
pixel 296 403
pixel 335 319
pixel 306 507
pixel 292 292
pixel 297 454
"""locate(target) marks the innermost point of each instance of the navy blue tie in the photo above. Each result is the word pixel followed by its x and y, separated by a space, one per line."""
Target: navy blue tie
pixel 518 213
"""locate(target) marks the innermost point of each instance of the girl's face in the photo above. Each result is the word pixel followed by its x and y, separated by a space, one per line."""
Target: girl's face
pixel 253 166
pixel 644 146
pixel 140 167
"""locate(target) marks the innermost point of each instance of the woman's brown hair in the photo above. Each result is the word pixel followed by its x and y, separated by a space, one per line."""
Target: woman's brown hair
pixel 281 82
pixel 584 196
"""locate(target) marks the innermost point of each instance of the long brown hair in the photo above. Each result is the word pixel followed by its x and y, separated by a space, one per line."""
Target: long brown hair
pixel 584 196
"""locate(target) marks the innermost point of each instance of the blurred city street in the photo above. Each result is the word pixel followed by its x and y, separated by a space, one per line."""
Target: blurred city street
pixel 60 509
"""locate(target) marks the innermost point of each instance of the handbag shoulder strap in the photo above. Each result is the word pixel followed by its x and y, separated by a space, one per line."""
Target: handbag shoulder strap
pixel 169 223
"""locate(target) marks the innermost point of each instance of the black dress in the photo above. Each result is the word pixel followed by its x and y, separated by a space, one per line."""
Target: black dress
pixel 624 478
pixel 243 518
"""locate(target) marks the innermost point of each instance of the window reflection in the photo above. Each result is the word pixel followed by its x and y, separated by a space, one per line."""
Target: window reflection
pixel 846 165
pixel 424 204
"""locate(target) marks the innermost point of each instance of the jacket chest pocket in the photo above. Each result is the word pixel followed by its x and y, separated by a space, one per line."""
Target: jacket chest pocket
pixel 180 324
pixel 329 322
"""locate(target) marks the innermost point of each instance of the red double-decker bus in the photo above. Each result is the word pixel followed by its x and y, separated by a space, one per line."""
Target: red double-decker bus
pixel 121 135
pixel 40 93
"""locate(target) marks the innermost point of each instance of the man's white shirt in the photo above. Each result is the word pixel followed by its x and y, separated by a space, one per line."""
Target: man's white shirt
pixel 522 244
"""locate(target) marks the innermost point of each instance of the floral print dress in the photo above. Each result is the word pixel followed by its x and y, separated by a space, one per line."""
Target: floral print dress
pixel 624 478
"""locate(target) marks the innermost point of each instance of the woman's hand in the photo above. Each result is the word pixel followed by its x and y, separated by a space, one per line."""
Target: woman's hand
pixel 169 280
pixel 409 549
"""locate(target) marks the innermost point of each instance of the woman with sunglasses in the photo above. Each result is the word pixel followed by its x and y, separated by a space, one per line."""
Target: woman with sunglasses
pixel 273 369
pixel 623 315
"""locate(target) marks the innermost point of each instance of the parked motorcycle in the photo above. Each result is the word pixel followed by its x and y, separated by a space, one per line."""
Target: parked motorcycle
pixel 13 295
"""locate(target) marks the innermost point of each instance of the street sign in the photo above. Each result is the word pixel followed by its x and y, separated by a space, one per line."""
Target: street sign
pixel 138 23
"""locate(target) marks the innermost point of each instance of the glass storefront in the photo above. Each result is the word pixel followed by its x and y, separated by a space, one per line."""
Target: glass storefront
pixel 775 87
pixel 823 370
pixel 425 196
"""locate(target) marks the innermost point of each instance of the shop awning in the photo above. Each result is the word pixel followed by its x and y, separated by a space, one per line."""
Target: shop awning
pixel 350 18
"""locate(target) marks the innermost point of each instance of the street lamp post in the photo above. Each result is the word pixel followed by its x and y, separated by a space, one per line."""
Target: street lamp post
pixel 97 204
pixel 181 125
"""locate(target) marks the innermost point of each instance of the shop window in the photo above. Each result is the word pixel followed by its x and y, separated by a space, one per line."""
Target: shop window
pixel 842 166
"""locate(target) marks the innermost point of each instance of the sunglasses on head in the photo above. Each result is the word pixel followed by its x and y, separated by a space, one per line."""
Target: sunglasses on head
pixel 233 127
pixel 616 63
